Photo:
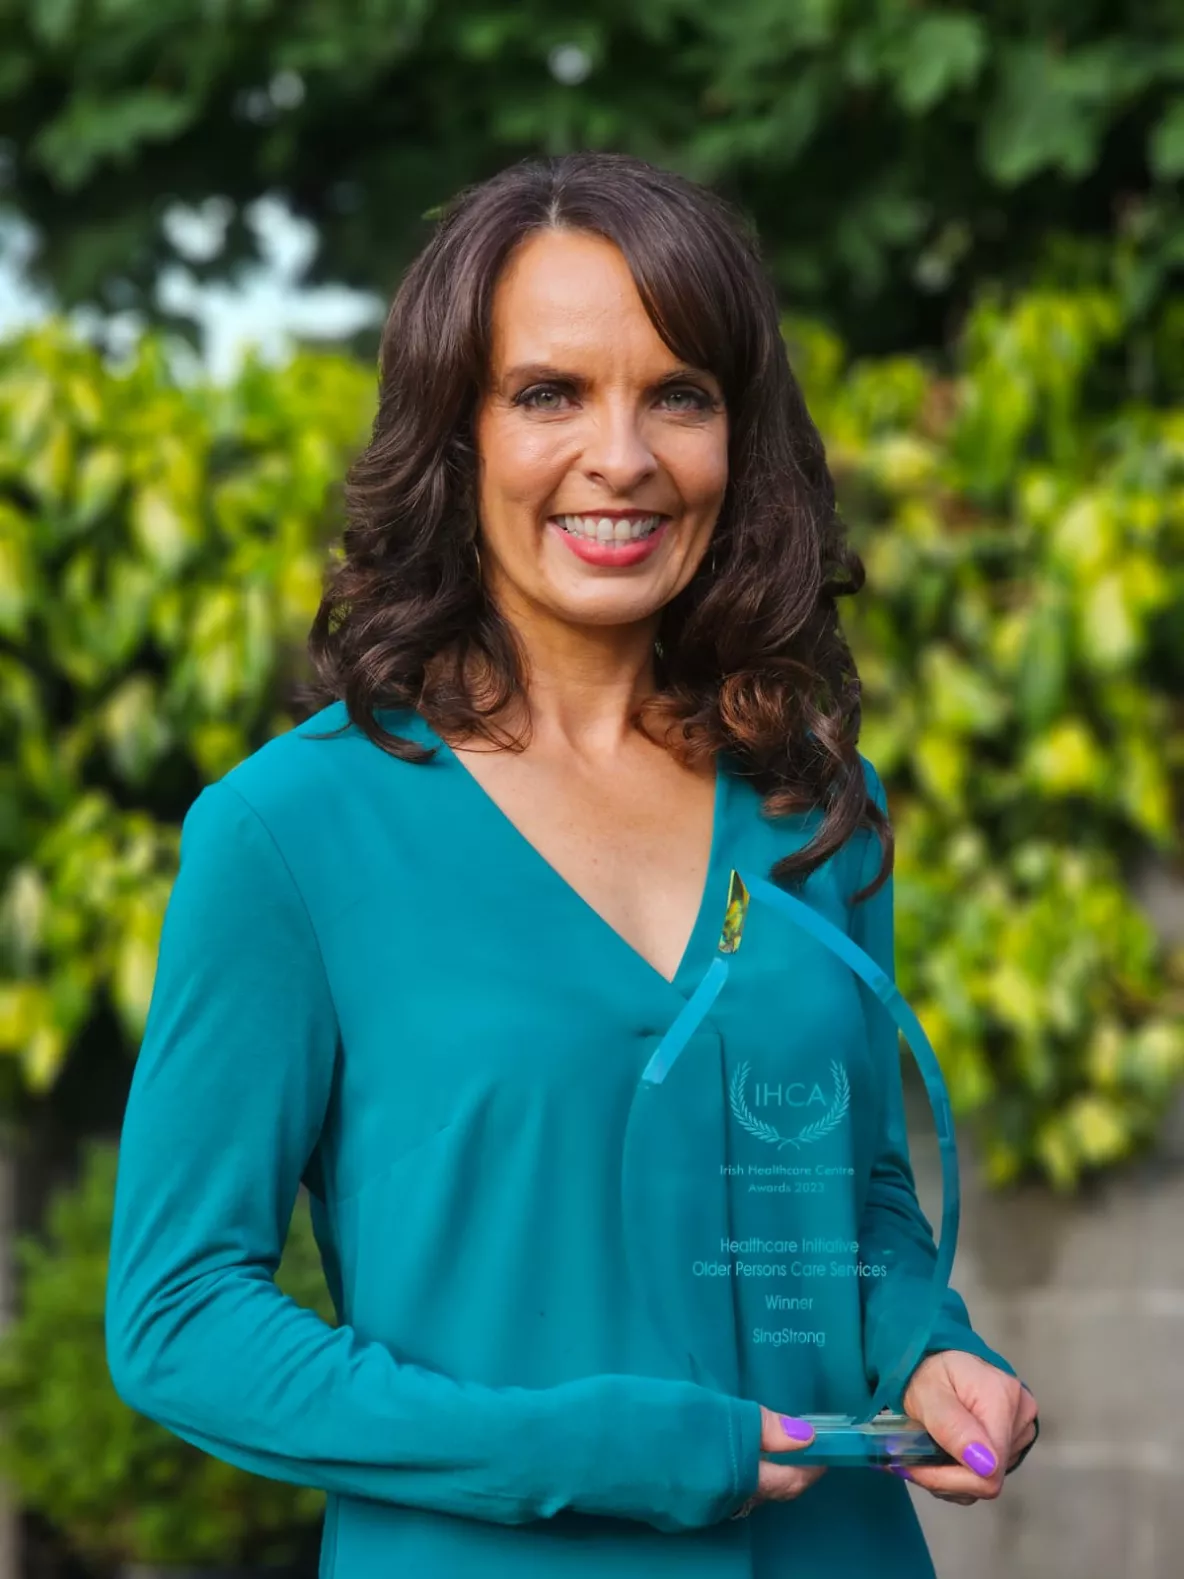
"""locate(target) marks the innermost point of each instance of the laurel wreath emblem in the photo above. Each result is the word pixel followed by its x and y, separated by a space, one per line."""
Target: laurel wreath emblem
pixel 810 1132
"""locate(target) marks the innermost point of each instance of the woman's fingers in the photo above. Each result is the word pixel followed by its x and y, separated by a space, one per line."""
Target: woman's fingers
pixel 784 1482
pixel 982 1416
pixel 1021 1444
pixel 954 1481
pixel 785 1434
pixel 1024 1428
pixel 978 1472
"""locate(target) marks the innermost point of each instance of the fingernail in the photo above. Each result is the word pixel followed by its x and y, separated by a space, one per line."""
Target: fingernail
pixel 979 1458
pixel 798 1430
pixel 900 1470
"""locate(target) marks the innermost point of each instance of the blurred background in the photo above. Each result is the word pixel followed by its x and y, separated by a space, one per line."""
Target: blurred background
pixel 973 213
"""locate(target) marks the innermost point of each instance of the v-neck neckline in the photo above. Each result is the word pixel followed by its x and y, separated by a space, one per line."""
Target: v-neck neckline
pixel 712 901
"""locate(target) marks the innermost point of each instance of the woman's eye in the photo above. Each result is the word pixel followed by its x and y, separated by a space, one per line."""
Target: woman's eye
pixel 550 397
pixel 542 397
pixel 699 399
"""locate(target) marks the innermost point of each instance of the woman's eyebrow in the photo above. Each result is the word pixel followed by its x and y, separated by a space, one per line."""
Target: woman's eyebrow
pixel 538 372
pixel 530 372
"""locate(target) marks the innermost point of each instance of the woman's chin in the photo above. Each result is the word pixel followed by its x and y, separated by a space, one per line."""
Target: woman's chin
pixel 603 606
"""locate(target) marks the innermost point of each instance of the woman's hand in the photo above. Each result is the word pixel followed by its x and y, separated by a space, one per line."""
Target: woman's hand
pixel 979 1414
pixel 783 1482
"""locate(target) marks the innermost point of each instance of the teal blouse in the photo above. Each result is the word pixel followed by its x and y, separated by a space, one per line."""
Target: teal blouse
pixel 370 982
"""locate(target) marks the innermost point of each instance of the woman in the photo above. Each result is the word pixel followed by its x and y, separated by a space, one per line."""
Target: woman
pixel 580 659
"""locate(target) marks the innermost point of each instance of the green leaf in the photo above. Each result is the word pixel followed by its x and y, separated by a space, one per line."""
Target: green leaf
pixel 20 580
pixel 1039 118
pixel 1043 670
pixel 942 52
pixel 101 473
pixel 136 732
pixel 54 20
pixel 1165 147
pixel 162 530
pixel 92 132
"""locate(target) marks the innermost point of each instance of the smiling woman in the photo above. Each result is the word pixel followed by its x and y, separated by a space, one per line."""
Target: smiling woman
pixel 579 664
pixel 598 338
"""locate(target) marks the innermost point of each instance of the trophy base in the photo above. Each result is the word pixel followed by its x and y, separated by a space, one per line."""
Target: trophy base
pixel 843 1441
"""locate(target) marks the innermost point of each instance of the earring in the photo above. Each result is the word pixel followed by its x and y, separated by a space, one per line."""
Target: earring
pixel 477 557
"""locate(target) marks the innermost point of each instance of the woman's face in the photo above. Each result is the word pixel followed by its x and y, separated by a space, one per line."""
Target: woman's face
pixel 603 458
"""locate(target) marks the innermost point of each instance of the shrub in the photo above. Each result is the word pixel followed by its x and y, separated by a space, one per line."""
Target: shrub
pixel 1021 643
pixel 1022 653
pixel 120 1487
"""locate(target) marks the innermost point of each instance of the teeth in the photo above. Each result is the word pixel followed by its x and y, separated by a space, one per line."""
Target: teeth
pixel 602 529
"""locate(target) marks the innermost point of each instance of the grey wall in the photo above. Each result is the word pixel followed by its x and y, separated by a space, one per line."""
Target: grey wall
pixel 1085 1297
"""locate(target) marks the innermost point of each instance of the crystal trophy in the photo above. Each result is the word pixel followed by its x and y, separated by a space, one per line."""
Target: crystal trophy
pixel 746 1243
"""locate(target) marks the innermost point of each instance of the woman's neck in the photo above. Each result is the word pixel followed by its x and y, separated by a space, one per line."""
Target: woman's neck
pixel 583 683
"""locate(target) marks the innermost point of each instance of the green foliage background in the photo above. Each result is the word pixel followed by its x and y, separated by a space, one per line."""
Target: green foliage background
pixel 1021 643
pixel 124 1488
pixel 892 152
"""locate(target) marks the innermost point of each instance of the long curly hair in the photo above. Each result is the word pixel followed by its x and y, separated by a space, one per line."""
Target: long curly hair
pixel 750 657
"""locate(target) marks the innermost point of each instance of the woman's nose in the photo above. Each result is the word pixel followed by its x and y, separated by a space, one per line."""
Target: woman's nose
pixel 618 452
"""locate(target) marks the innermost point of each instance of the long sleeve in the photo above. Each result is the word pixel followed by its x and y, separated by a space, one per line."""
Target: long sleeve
pixel 224 1120
pixel 893 1226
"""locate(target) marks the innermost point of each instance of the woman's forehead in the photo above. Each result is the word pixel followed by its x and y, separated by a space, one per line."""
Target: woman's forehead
pixel 570 294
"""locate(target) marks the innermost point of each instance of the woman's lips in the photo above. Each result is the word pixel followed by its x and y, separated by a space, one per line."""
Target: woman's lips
pixel 616 555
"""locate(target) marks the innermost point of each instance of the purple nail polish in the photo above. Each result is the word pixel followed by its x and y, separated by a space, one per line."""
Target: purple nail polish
pixel 980 1459
pixel 799 1430
pixel 900 1470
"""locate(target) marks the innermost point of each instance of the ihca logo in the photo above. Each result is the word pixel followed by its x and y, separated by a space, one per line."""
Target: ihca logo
pixel 793 1094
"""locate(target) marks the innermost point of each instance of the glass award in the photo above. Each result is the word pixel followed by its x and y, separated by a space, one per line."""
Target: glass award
pixel 745 1241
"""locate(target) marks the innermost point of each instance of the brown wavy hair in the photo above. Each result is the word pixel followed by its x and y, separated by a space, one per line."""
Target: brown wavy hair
pixel 750 657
